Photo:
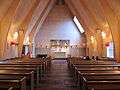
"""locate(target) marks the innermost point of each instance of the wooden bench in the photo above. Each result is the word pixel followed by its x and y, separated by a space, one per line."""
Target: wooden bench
pixel 77 68
pixel 43 63
pixel 99 67
pixel 21 68
pixel 76 61
pixel 92 64
pixel 17 82
pixel 38 67
pixel 101 83
pixel 96 73
pixel 9 88
pixel 39 63
pixel 91 69
pixel 28 74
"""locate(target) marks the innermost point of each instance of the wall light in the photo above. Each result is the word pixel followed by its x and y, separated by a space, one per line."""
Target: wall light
pixel 15 35
pixel 92 39
pixel 103 35
pixel 14 38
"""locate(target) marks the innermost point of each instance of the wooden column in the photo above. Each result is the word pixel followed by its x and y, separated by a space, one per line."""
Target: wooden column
pixel 99 43
pixel 114 27
pixel 20 41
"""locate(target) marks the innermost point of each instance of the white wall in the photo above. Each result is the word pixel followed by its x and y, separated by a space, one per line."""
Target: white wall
pixel 59 25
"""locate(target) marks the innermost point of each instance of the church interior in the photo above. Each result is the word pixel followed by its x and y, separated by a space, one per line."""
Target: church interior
pixel 59 45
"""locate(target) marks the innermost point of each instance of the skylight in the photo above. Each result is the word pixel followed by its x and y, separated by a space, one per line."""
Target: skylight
pixel 78 24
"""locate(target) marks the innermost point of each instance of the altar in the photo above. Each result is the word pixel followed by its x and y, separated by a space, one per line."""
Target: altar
pixel 59 55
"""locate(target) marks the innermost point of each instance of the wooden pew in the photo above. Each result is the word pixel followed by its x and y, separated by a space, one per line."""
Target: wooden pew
pixel 96 73
pixel 86 62
pixel 21 68
pixel 91 69
pixel 105 74
pixel 39 66
pixel 91 64
pixel 43 63
pixel 28 74
pixel 101 83
pixel 24 64
pixel 9 88
pixel 109 72
pixel 77 68
pixel 40 63
pixel 17 82
pixel 99 67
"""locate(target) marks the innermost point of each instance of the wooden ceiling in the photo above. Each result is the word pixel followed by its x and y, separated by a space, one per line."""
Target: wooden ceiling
pixel 27 16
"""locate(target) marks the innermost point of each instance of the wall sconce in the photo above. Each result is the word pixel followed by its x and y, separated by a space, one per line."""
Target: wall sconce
pixel 84 44
pixel 13 43
pixel 92 39
pixel 103 35
pixel 12 40
pixel 107 44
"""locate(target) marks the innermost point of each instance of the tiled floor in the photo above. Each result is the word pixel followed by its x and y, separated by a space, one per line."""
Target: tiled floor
pixel 58 77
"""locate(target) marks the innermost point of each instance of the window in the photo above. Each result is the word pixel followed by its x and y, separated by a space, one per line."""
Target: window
pixel 79 26
pixel 110 50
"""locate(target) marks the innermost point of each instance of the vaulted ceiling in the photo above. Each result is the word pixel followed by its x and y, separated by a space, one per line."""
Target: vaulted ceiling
pixel 27 16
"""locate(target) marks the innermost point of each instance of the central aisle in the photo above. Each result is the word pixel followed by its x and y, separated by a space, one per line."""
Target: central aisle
pixel 58 77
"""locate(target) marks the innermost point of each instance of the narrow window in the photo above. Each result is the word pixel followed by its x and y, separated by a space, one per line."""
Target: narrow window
pixel 79 26
pixel 110 50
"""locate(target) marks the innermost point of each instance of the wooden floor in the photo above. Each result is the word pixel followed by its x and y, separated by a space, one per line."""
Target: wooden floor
pixel 58 77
